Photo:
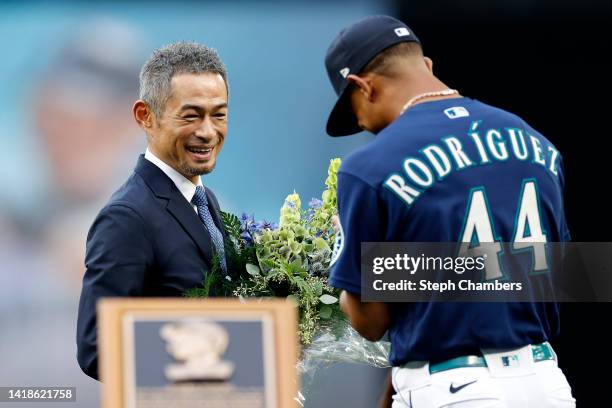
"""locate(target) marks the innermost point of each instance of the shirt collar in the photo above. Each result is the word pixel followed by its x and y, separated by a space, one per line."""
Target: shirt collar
pixel 185 186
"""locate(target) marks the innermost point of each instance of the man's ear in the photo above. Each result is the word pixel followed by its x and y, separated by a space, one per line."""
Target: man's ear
pixel 361 84
pixel 429 63
pixel 143 115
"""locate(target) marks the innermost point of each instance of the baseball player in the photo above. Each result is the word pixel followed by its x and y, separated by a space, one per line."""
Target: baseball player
pixel 443 168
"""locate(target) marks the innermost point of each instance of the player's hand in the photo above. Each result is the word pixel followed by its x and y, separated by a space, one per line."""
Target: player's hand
pixel 335 223
pixel 370 319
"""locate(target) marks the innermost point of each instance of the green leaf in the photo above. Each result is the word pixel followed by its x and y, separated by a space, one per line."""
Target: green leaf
pixel 318 287
pixel 265 237
pixel 252 269
pixel 231 224
pixel 296 265
pixel 196 293
pixel 295 247
pixel 293 299
pixel 267 264
pixel 299 230
pixel 328 299
pixel 301 283
pixel 325 312
pixel 320 243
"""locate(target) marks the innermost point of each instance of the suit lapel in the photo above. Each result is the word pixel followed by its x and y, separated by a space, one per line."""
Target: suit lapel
pixel 177 206
pixel 189 220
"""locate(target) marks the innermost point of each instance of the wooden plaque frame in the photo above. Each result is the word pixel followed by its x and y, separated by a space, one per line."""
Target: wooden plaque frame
pixel 111 347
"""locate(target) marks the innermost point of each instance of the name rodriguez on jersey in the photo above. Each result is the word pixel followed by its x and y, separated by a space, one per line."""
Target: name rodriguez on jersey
pixel 492 145
pixel 462 285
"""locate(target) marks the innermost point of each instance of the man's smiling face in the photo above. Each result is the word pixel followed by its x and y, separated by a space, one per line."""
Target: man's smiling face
pixel 190 133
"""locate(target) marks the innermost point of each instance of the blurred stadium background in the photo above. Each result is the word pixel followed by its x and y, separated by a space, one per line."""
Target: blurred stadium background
pixel 69 78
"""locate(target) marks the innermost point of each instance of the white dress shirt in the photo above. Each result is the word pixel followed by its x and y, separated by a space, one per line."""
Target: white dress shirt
pixel 185 186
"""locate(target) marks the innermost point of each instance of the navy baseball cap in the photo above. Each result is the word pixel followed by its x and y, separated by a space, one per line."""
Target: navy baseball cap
pixel 349 53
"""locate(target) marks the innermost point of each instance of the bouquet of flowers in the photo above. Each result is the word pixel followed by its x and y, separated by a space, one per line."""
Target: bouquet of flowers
pixel 291 260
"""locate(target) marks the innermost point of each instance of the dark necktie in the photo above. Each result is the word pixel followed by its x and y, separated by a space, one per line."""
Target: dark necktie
pixel 201 202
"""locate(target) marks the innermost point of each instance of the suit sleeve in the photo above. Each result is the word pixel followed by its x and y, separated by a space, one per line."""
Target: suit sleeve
pixel 118 255
pixel 360 221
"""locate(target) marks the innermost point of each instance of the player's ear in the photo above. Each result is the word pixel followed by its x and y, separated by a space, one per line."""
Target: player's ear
pixel 143 114
pixel 428 63
pixel 362 85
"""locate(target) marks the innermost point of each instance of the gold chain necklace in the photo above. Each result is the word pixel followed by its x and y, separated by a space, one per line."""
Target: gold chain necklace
pixel 414 99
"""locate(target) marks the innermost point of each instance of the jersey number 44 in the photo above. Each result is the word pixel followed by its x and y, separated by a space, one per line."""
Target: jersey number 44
pixel 478 235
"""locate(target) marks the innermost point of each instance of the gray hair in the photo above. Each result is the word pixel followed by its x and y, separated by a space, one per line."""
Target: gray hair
pixel 173 59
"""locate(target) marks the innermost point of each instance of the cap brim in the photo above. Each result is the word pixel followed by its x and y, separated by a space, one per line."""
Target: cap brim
pixel 342 121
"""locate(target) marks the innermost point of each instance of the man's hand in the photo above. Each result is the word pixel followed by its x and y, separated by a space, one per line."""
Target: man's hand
pixel 371 319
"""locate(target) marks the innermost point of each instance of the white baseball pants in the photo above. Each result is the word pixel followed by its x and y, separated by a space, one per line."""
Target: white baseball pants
pixel 523 384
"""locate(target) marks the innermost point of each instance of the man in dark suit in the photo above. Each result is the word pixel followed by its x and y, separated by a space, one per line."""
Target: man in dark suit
pixel 158 233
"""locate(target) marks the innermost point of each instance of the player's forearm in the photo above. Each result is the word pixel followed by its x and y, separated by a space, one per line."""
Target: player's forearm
pixel 371 320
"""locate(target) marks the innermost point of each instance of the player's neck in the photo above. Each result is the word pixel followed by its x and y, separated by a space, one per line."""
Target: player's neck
pixel 413 88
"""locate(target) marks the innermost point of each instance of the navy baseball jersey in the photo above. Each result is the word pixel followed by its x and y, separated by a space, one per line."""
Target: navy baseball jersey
pixel 453 170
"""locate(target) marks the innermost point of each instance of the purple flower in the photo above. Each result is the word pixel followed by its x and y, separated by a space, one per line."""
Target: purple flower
pixel 269 225
pixel 315 203
pixel 246 221
pixel 247 238
pixel 256 228
pixel 249 228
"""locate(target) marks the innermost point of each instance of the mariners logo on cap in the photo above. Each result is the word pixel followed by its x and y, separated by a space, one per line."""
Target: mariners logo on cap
pixel 402 32
pixel 345 71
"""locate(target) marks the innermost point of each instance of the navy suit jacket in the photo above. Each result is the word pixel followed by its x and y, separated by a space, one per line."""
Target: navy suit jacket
pixel 147 241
